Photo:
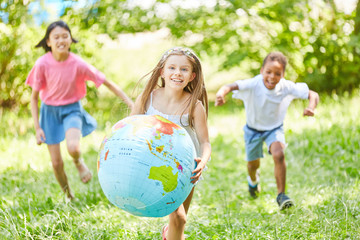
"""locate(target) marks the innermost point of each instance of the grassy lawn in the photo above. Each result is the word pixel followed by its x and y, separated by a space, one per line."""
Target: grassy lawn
pixel 322 178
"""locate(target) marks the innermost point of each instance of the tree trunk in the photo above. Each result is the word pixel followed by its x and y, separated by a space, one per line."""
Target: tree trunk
pixel 357 19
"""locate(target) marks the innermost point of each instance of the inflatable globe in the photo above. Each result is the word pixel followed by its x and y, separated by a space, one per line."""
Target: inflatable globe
pixel 145 165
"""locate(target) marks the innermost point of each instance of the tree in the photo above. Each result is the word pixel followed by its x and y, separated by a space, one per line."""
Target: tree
pixel 320 41
pixel 16 54
pixel 321 45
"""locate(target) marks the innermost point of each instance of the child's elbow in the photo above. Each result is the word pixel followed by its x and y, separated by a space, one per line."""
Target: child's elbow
pixel 314 95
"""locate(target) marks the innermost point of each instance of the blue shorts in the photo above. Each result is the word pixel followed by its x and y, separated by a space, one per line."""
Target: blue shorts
pixel 254 141
pixel 56 120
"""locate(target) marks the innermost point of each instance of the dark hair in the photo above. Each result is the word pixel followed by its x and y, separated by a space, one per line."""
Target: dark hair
pixel 53 25
pixel 276 56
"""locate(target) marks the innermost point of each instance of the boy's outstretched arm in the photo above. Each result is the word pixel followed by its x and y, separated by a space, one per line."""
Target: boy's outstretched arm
pixel 313 102
pixel 220 95
pixel 118 92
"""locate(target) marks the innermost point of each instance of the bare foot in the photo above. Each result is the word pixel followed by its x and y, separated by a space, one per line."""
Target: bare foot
pixel 84 172
pixel 68 194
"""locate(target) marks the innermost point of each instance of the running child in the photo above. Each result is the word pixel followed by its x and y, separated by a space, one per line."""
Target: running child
pixel 59 78
pixel 266 98
pixel 176 91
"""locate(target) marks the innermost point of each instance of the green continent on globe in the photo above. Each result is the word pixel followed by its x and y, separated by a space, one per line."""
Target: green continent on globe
pixel 164 174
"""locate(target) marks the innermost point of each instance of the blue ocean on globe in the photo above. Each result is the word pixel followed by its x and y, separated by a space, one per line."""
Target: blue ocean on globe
pixel 145 165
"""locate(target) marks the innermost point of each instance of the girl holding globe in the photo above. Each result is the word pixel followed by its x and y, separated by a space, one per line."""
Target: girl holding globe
pixel 59 77
pixel 176 91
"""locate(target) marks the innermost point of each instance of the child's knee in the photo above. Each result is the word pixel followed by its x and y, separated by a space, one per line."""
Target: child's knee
pixel 255 164
pixel 57 164
pixel 178 217
pixel 73 148
pixel 279 155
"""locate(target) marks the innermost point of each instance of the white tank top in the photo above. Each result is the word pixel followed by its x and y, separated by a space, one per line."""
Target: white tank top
pixel 181 120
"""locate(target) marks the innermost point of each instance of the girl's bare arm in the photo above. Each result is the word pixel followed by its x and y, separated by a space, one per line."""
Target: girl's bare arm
pixel 40 135
pixel 202 133
pixel 118 92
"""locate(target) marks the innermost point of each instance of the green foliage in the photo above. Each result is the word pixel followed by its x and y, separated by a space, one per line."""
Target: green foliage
pixel 16 53
pixel 114 17
pixel 320 41
pixel 322 178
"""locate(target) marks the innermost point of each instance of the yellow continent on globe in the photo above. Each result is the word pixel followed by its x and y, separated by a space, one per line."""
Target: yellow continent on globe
pixel 164 174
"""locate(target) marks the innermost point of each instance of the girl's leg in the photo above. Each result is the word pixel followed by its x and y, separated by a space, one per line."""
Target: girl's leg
pixel 187 201
pixel 73 136
pixel 277 151
pixel 177 220
pixel 58 166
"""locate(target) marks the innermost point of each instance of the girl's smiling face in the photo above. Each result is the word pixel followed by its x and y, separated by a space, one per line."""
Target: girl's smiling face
pixel 272 72
pixel 177 71
pixel 59 41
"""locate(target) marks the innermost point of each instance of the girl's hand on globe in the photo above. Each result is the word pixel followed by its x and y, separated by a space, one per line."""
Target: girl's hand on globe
pixel 40 136
pixel 198 170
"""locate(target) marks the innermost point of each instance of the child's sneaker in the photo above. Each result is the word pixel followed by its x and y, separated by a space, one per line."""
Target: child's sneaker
pixel 254 191
pixel 254 187
pixel 284 201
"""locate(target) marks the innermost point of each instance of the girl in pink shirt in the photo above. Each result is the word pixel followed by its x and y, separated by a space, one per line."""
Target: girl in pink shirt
pixel 59 77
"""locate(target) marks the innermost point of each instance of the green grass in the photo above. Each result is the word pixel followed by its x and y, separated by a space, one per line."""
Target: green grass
pixel 322 177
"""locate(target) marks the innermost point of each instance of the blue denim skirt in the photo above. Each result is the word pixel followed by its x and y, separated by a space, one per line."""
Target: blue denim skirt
pixel 56 120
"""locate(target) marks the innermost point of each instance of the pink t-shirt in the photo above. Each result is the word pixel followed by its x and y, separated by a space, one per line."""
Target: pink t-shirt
pixel 62 83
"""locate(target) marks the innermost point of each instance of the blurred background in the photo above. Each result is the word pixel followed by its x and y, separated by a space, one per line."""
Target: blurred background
pixel 125 39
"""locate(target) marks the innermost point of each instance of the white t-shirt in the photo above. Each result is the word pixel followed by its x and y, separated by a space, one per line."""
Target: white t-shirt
pixel 265 108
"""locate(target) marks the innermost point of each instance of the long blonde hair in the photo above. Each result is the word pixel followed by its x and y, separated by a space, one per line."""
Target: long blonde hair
pixel 195 87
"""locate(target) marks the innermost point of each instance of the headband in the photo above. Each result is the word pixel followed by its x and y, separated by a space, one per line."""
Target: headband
pixel 183 50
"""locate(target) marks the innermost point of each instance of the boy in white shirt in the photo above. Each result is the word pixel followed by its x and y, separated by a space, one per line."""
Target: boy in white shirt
pixel 266 98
